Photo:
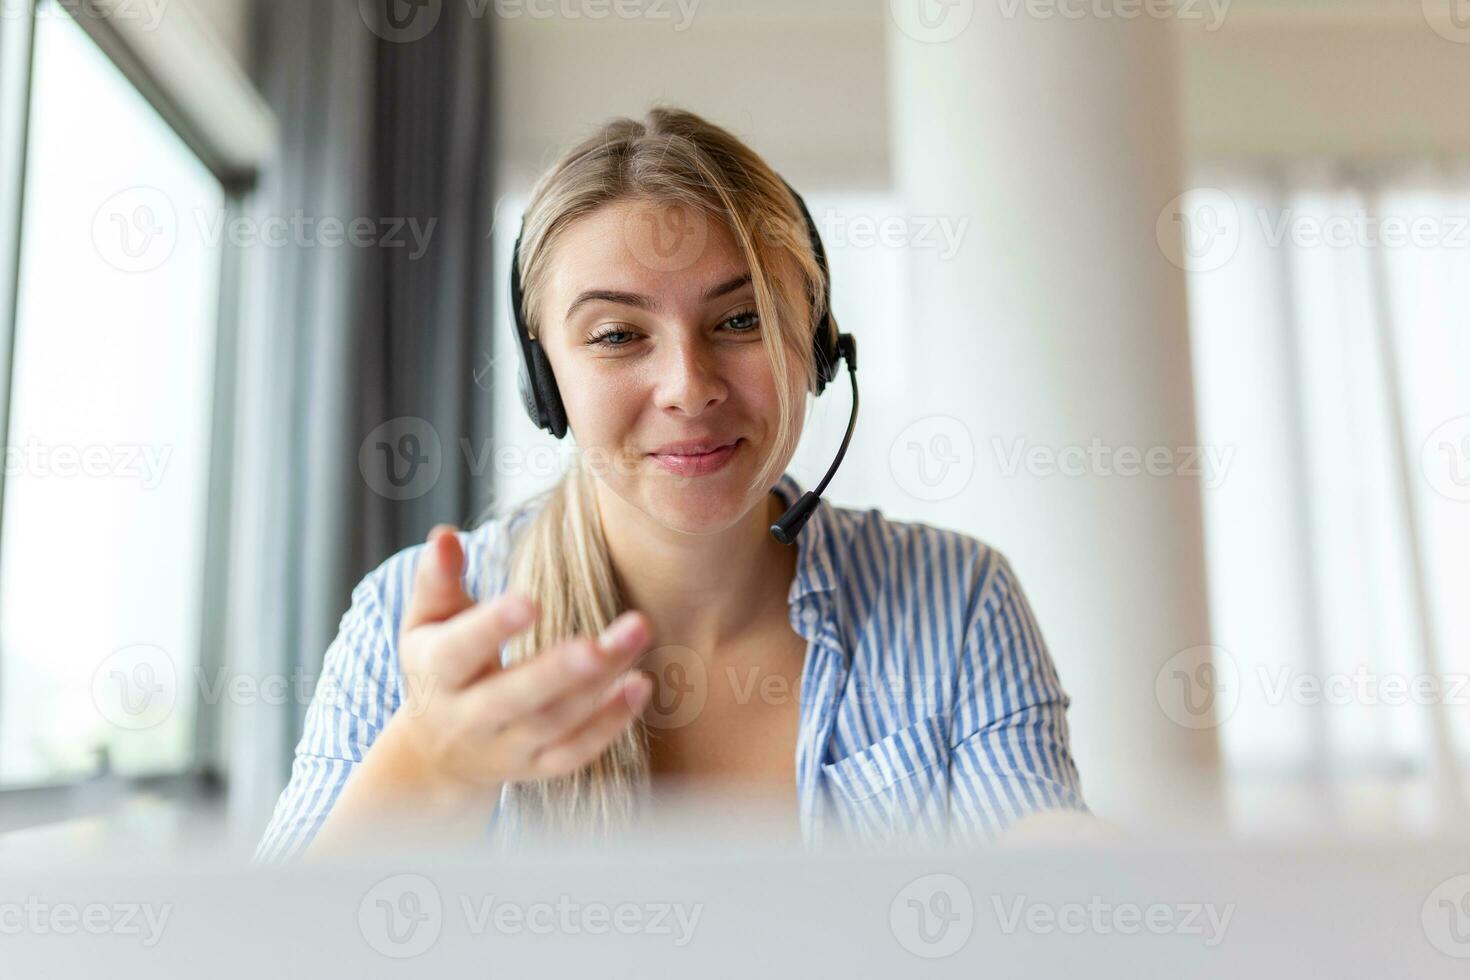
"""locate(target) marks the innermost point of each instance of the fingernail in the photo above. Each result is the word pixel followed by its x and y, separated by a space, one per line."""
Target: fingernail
pixel 518 612
pixel 589 660
pixel 620 633
pixel 640 696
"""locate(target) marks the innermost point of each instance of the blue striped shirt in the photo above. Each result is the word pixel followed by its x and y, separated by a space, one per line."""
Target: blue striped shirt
pixel 930 709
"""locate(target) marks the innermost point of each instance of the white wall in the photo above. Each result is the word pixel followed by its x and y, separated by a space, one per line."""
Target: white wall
pixel 803 82
pixel 1361 78
pixel 807 82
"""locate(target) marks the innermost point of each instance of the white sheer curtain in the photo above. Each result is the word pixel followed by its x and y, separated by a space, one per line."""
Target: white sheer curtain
pixel 1330 314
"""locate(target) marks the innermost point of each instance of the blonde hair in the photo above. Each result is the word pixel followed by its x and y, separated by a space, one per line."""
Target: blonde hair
pixel 561 559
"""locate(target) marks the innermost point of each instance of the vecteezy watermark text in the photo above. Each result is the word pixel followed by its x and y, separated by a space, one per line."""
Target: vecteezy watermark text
pixel 1212 12
pixel 138 229
pixel 146 15
pixel 1100 917
pixel 1209 463
pixel 1203 686
pixel 934 915
pixel 38 917
pixel 402 916
pixel 143 462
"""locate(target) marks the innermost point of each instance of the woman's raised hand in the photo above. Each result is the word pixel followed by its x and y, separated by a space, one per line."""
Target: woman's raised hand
pixel 476 722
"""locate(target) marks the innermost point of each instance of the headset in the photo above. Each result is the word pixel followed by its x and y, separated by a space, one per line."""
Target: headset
pixel 542 397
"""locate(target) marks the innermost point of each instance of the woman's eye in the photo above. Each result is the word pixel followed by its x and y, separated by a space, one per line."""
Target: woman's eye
pixel 744 322
pixel 740 323
pixel 605 339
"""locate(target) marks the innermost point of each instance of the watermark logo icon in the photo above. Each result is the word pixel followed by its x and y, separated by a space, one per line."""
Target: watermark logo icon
pixel 1446 917
pixel 401 916
pixel 1199 231
pixel 484 373
pixel 933 916
pixel 1199 687
pixel 402 458
pixel 1450 19
pixel 135 687
pixel 681 688
pixel 666 237
pixel 400 21
pixel 1445 459
pixel 135 230
pixel 932 21
pixel 933 458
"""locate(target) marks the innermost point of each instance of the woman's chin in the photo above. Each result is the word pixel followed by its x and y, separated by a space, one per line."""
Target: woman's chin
pixel 697 506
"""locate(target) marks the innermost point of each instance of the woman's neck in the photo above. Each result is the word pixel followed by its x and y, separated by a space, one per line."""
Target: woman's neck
pixel 700 590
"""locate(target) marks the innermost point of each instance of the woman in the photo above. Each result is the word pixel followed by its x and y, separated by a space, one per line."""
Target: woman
pixel 879 680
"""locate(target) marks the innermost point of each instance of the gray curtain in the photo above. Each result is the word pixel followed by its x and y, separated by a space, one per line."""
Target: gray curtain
pixel 339 339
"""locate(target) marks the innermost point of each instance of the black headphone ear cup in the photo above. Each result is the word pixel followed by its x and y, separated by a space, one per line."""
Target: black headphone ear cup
pixel 528 398
pixel 535 380
pixel 826 353
pixel 825 348
pixel 553 415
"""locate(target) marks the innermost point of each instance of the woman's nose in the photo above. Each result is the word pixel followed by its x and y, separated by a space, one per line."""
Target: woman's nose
pixel 689 379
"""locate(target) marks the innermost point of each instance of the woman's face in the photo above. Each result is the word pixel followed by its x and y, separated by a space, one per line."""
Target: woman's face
pixel 649 320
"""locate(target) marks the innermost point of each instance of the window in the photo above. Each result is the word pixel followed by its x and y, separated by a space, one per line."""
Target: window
pixel 107 451
pixel 1332 350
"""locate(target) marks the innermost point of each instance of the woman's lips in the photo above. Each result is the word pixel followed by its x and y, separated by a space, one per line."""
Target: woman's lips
pixel 698 465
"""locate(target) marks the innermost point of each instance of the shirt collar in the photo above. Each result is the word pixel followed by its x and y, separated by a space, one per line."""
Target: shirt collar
pixel 813 545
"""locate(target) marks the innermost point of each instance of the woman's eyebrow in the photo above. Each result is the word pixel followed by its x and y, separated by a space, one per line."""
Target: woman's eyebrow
pixel 726 288
pixel 641 302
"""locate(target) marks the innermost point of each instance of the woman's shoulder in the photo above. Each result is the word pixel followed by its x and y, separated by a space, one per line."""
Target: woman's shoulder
pixel 915 555
pixel 920 598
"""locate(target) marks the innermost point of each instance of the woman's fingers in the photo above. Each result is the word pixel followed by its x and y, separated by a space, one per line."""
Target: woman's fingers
pixel 571 695
pixel 468 646
pixel 560 718
pixel 567 713
pixel 562 669
pixel 620 706
pixel 437 591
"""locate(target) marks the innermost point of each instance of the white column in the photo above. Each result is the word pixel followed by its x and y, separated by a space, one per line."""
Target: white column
pixel 1058 322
